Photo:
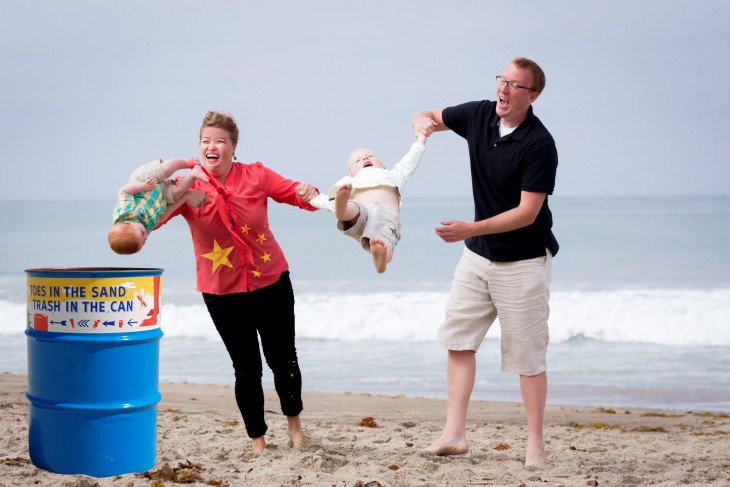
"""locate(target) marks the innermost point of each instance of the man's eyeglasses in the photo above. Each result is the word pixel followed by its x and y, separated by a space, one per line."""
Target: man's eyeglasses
pixel 512 84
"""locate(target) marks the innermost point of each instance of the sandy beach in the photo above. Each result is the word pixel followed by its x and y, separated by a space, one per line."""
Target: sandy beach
pixel 369 440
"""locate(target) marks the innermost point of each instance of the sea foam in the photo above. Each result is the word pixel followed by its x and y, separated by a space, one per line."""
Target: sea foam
pixel 672 317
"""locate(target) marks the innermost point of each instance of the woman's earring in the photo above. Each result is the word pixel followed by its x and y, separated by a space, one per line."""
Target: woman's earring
pixel 234 157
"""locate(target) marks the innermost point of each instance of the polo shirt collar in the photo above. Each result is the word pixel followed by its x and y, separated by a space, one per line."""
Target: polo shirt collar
pixel 521 130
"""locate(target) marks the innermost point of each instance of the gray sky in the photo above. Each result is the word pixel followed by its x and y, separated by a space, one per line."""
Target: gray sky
pixel 90 90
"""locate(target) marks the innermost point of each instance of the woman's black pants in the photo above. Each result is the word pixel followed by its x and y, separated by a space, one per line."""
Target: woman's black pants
pixel 240 319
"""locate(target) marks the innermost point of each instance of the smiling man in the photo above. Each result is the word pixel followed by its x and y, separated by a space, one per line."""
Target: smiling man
pixel 506 266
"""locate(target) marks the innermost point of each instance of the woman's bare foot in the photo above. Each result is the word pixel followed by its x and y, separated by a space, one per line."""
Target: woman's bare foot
pixel 342 198
pixel 445 446
pixel 198 173
pixel 296 435
pixel 379 253
pixel 258 445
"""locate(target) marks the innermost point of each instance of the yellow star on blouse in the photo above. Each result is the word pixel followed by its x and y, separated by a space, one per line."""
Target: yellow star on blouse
pixel 219 256
pixel 245 229
pixel 261 238
pixel 266 257
pixel 257 274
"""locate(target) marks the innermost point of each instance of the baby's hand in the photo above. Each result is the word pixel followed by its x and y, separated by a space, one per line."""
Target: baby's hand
pixel 424 129
pixel 306 191
pixel 149 185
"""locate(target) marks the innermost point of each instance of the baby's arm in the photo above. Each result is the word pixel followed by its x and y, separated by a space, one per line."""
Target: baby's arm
pixel 323 203
pixel 409 163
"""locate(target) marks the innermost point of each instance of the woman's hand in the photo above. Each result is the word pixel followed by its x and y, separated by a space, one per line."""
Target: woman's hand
pixel 306 191
pixel 196 198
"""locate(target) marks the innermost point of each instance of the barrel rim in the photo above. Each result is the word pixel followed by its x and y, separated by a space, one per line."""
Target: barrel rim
pixel 94 271
pixel 145 334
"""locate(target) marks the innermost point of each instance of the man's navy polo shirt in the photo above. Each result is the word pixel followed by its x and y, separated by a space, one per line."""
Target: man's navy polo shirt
pixel 501 168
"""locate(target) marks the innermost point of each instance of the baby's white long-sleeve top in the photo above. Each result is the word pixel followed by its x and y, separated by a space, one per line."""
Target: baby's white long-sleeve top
pixel 370 177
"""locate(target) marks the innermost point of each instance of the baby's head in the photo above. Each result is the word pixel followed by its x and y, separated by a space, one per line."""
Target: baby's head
pixel 127 237
pixel 360 158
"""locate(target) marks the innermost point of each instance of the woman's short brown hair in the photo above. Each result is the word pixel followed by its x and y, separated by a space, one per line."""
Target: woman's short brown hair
pixel 223 121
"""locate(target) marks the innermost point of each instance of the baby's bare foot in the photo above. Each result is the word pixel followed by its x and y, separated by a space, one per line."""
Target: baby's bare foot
pixel 198 173
pixel 342 197
pixel 379 253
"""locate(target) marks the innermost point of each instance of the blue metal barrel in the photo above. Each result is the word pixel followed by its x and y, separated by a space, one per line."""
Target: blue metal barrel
pixel 93 353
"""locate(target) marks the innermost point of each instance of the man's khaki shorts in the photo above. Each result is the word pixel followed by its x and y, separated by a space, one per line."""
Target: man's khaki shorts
pixel 517 293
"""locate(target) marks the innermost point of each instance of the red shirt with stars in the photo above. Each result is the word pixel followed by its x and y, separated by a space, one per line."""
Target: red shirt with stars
pixel 251 259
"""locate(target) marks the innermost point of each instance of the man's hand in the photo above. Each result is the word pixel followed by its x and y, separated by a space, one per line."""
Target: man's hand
pixel 454 231
pixel 425 127
pixel 427 122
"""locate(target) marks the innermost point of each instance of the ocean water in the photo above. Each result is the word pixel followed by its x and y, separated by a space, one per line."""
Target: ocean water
pixel 640 304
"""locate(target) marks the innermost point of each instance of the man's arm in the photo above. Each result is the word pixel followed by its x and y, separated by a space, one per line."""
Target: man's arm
pixel 521 216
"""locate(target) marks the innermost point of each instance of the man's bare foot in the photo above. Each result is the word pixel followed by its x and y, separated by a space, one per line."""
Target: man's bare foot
pixel 535 454
pixel 296 435
pixel 258 445
pixel 445 447
pixel 198 173
pixel 342 198
pixel 379 253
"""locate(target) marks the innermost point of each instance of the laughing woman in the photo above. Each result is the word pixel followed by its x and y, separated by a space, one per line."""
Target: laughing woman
pixel 244 276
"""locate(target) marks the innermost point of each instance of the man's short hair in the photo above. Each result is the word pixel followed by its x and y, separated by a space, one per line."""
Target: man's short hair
pixel 538 75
